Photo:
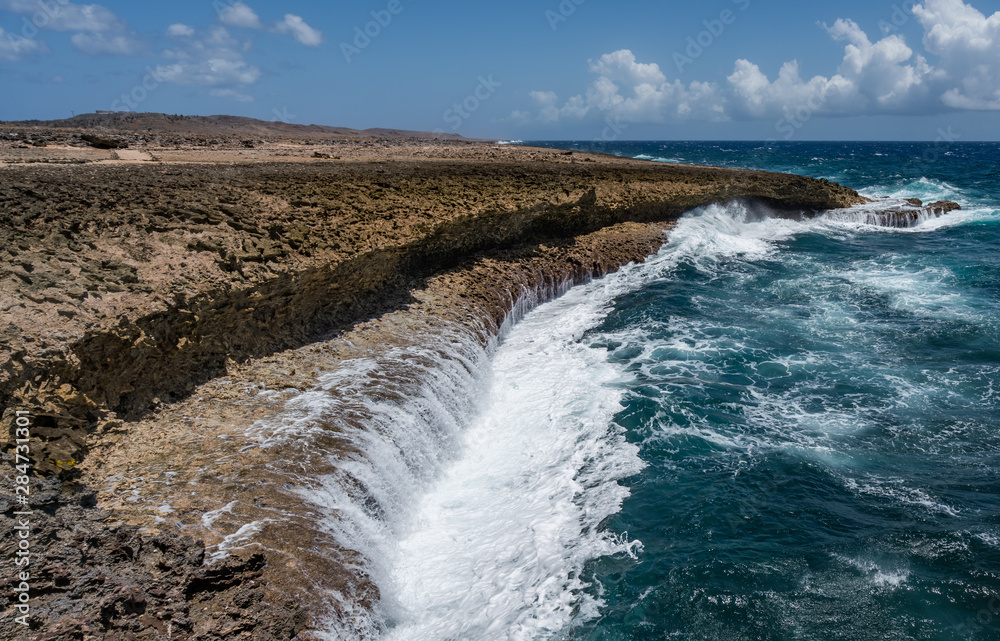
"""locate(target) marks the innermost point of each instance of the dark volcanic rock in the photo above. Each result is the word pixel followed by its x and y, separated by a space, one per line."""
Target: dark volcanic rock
pixel 93 579
pixel 908 215
pixel 941 207
pixel 103 143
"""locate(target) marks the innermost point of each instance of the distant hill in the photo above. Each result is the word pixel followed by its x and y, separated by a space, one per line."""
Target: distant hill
pixel 131 122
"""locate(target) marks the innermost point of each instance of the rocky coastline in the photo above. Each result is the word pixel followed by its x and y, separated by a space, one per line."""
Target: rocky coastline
pixel 147 298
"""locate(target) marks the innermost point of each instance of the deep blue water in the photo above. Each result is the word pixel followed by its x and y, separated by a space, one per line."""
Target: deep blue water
pixel 817 405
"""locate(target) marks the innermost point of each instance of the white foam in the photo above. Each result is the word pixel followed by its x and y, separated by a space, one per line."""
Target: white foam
pixel 927 189
pixel 878 575
pixel 424 420
pixel 496 548
pixel 989 538
pixel 208 519
pixel 658 158
pixel 236 540
pixel 897 490
pixel 919 290
pixel 716 232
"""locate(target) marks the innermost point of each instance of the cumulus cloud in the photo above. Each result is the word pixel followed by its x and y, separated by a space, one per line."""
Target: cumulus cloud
pixel 548 109
pixel 97 29
pixel 299 30
pixel 621 67
pixel 968 44
pixel 240 15
pixel 180 31
pixel 883 77
pixel 886 76
pixel 216 59
pixel 633 92
pixel 58 16
pixel 212 60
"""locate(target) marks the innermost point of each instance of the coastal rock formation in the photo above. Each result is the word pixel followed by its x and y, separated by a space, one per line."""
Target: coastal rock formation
pixel 125 286
pixel 899 213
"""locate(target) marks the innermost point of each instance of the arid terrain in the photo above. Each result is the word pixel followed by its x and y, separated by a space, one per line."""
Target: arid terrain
pixel 160 273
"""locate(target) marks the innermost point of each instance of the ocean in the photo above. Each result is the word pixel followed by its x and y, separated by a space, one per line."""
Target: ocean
pixel 773 429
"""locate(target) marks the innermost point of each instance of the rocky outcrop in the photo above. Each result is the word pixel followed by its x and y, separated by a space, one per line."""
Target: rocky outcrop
pixel 95 580
pixel 103 143
pixel 122 288
pixel 898 213
pixel 917 211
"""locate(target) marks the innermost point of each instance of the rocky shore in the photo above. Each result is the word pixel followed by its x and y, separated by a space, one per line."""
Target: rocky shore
pixel 149 299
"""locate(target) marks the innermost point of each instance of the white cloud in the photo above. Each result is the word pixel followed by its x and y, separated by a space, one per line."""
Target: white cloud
pixel 14 47
pixel 179 31
pixel 103 43
pixel 213 60
pixel 630 91
pixel 97 29
pixel 621 67
pixel 968 44
pixel 549 110
pixel 240 15
pixel 299 30
pixel 59 16
pixel 882 77
pixel 209 72
pixel 887 73
pixel 753 95
pixel 575 107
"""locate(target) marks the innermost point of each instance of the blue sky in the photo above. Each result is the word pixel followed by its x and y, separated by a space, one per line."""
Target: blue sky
pixel 555 69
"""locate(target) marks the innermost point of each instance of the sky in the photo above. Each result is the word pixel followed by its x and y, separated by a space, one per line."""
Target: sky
pixel 522 69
